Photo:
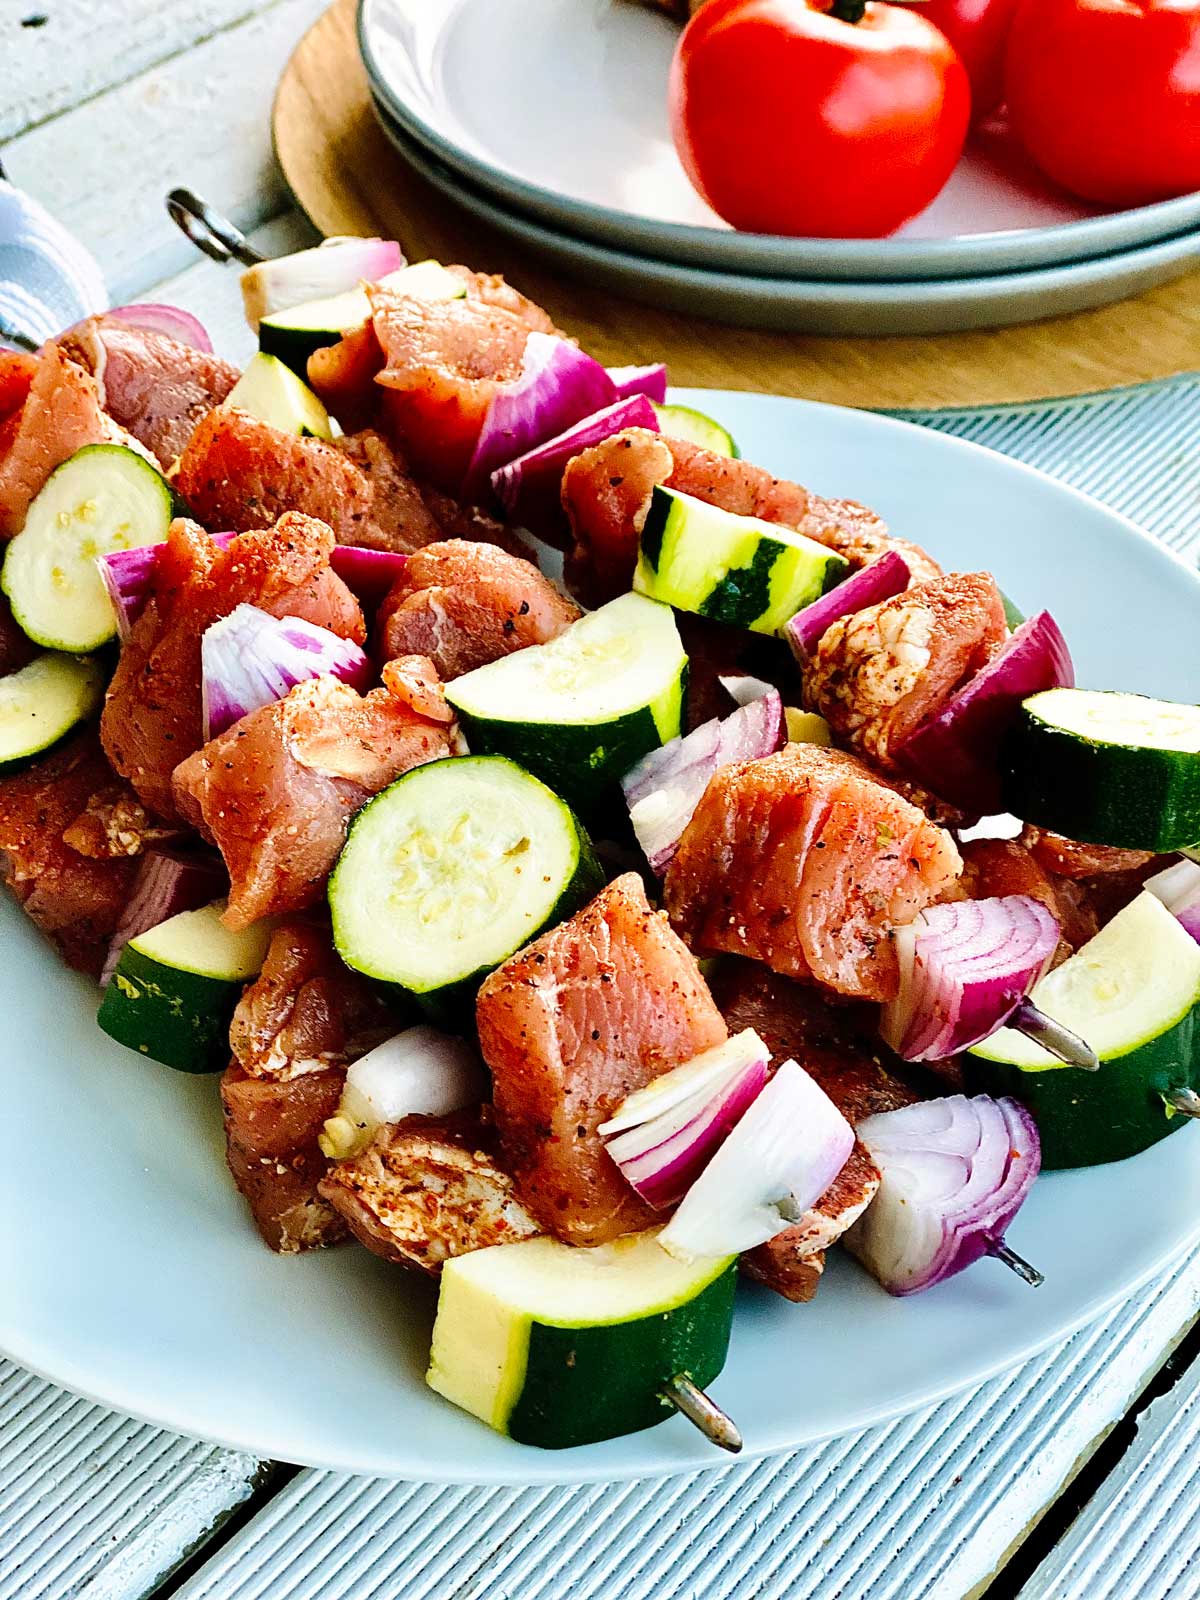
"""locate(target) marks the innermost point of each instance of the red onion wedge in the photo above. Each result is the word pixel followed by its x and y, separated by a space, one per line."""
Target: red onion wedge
pixel 126 575
pixel 650 381
pixel 1178 888
pixel 175 323
pixel 663 1135
pixel 664 788
pixel 964 969
pixel 420 1072
pixel 167 882
pixel 530 487
pixel 956 753
pixel 332 268
pixel 559 385
pixel 251 659
pixel 954 1172
pixel 779 1160
pixel 877 582
pixel 369 573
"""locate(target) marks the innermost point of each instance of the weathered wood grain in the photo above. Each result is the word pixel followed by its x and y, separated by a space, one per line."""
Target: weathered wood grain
pixel 199 120
pixel 85 47
pixel 349 179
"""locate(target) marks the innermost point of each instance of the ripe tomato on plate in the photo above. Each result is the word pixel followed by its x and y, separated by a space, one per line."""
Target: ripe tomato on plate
pixel 1105 95
pixel 978 30
pixel 791 119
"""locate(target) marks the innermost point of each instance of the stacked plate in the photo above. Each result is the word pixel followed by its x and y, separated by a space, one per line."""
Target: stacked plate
pixel 547 119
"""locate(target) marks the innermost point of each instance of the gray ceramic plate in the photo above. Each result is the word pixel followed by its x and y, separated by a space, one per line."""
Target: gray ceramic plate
pixel 795 305
pixel 557 109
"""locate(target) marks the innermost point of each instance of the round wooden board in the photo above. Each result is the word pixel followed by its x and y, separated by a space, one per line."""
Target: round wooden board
pixel 348 179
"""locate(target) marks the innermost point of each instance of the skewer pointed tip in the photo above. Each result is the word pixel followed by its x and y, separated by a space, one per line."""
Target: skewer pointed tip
pixel 1185 1101
pixel 1052 1036
pixel 1024 1270
pixel 692 1402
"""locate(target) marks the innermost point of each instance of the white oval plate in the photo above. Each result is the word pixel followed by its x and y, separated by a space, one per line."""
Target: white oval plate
pixel 131 1272
pixel 559 108
pixel 873 308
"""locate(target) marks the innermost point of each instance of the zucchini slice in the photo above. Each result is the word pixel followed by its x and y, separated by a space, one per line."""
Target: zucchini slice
pixel 450 870
pixel 44 702
pixel 273 393
pixel 294 334
pixel 1107 768
pixel 1133 992
pixel 175 987
pixel 682 422
pixel 582 709
pixel 739 570
pixel 559 1346
pixel 103 498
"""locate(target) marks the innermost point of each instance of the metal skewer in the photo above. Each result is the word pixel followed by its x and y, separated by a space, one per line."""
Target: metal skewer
pixel 1185 1101
pixel 209 230
pixel 1024 1270
pixel 692 1402
pixel 1052 1036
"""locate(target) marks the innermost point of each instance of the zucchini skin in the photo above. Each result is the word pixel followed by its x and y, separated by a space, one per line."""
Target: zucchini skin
pixel 179 1018
pixel 293 346
pixel 587 1384
pixel 1087 1118
pixel 1135 799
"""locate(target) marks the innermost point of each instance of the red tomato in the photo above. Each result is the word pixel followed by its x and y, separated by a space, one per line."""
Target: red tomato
pixel 978 30
pixel 790 120
pixel 1105 95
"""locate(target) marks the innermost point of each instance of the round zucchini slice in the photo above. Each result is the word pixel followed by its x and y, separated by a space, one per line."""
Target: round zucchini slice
pixel 1107 768
pixel 684 422
pixel 42 703
pixel 103 498
pixel 738 570
pixel 449 871
pixel 581 710
pixel 557 1346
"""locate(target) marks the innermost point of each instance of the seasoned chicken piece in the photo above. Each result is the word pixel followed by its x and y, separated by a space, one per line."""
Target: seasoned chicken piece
pixel 879 673
pixel 426 1189
pixel 446 361
pixel 306 1011
pixel 75 899
pixel 152 385
pixel 606 494
pixel 796 1023
pixel 995 867
pixel 276 791
pixel 1068 858
pixel 115 823
pixel 805 861
pixel 464 605
pixel 152 715
pixel 569 1026
pixel 60 414
pixel 271 1145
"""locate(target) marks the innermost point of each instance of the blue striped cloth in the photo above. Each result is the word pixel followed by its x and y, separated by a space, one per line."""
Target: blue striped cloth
pixel 48 281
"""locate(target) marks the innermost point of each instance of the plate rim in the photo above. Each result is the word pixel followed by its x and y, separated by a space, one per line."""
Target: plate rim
pixel 543 1470
pixel 911 260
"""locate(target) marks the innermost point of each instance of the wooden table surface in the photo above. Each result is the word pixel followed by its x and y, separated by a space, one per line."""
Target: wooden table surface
pixel 1074 1477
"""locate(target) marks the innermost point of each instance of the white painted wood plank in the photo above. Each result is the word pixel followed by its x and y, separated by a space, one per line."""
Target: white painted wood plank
pixel 924 1508
pixel 1139 1535
pixel 212 292
pixel 85 47
pixel 94 1506
pixel 201 120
